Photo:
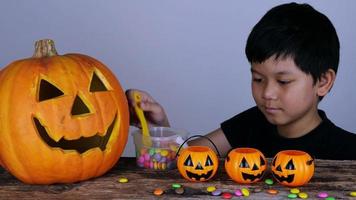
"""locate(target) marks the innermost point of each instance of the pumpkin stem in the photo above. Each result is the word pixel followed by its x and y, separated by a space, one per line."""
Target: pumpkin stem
pixel 44 48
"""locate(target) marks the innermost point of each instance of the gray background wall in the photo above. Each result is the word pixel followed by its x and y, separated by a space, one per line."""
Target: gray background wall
pixel 188 54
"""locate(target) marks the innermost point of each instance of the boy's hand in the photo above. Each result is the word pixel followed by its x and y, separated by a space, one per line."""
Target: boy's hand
pixel 152 110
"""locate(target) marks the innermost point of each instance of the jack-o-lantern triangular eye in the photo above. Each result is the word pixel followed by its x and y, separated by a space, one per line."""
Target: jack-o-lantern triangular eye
pixel 290 165
pixel 188 161
pixel 244 163
pixel 208 162
pixel 96 84
pixel 48 91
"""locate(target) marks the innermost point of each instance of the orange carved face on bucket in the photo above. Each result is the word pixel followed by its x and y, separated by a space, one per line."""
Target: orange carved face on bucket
pixel 293 167
pixel 197 163
pixel 245 165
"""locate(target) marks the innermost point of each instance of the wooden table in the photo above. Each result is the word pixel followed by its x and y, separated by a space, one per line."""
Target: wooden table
pixel 338 178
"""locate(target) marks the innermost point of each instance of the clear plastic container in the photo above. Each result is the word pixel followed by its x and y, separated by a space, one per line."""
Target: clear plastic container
pixel 161 155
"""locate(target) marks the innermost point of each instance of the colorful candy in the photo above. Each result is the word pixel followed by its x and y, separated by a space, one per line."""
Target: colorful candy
pixel 272 191
pixel 226 195
pixel 211 188
pixel 322 195
pixel 216 193
pixel 245 192
pixel 329 198
pixel 158 192
pixel 294 190
pixel 292 196
pixel 269 181
pixel 176 185
pixel 238 193
pixel 157 158
pixel 303 195
pixel 123 180
pixel 353 193
pixel 179 190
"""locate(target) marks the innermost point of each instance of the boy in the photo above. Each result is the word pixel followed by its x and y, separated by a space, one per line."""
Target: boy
pixel 294 56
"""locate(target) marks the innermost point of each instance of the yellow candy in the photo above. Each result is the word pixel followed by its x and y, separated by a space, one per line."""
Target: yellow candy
pixel 211 189
pixel 123 180
pixel 303 195
pixel 164 153
pixel 163 166
pixel 245 192
pixel 294 191
pixel 353 193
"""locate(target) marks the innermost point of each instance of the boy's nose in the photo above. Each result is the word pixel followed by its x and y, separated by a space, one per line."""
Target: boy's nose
pixel 269 92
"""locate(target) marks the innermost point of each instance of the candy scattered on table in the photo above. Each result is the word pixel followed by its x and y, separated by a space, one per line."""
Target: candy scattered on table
pixel 256 190
pixel 226 195
pixel 322 195
pixel 123 180
pixel 211 188
pixel 176 185
pixel 272 191
pixel 238 193
pixel 269 181
pixel 353 193
pixel 303 195
pixel 292 196
pixel 158 192
pixel 179 190
pixel 245 192
pixel 216 193
pixel 294 190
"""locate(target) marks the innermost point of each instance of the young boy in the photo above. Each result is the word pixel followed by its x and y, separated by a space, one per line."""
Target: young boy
pixel 294 56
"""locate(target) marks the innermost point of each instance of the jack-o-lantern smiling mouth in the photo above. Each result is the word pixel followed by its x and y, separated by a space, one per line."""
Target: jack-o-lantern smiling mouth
pixel 252 177
pixel 197 177
pixel 288 179
pixel 80 145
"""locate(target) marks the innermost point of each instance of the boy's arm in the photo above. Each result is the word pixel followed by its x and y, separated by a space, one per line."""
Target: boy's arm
pixel 219 139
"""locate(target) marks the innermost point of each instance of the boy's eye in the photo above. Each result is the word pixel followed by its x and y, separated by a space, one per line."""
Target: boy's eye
pixel 258 80
pixel 283 82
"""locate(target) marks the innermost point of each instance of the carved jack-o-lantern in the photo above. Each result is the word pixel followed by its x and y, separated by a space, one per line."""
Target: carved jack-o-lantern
pixel 245 165
pixel 293 167
pixel 197 163
pixel 64 118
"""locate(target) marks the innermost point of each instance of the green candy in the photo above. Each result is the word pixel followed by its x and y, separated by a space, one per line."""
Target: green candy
pixel 176 185
pixel 292 196
pixel 329 198
pixel 269 181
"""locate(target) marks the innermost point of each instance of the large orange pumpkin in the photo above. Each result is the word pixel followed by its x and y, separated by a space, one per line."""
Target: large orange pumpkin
pixel 63 118
pixel 293 167
pixel 245 165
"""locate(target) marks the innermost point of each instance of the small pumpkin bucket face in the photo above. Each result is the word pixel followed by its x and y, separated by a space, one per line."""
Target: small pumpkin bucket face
pixel 245 165
pixel 292 168
pixel 197 163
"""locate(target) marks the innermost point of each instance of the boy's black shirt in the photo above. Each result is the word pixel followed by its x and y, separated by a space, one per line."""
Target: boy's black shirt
pixel 327 141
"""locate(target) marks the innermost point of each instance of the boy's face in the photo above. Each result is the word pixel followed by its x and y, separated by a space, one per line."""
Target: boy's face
pixel 283 92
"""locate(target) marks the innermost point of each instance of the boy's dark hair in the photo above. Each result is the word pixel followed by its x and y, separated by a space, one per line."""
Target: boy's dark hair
pixel 298 31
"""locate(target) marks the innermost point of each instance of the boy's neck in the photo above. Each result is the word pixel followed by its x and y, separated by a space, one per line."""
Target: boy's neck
pixel 300 127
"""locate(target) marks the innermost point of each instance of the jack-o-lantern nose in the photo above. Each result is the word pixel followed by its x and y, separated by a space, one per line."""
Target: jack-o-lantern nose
pixel 279 168
pixel 79 107
pixel 199 167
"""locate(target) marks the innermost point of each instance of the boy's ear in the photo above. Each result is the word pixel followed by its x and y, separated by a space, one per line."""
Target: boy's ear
pixel 325 82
